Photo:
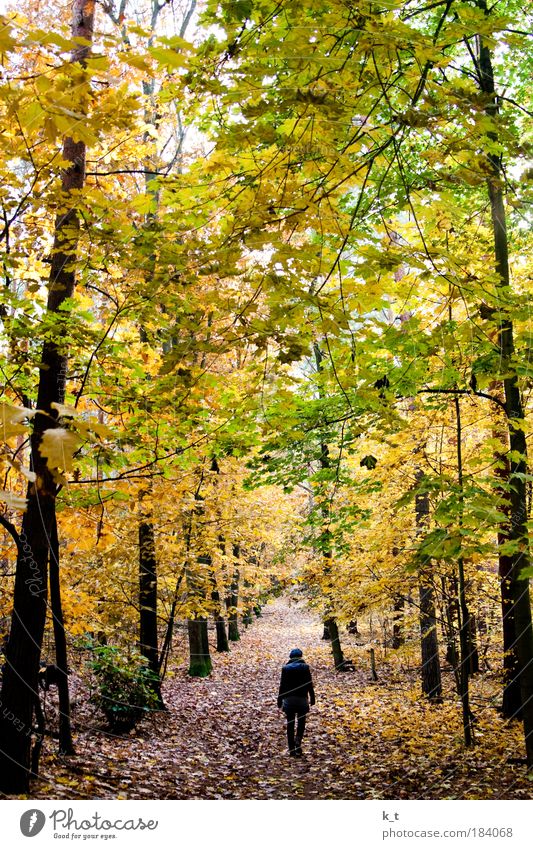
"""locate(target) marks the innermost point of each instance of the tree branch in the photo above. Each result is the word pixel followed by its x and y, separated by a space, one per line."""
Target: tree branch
pixel 477 393
pixel 11 529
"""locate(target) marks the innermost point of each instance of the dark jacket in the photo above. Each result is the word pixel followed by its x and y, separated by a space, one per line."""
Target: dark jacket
pixel 296 682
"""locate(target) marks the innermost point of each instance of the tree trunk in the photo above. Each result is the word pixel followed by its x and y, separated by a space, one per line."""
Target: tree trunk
pixel 474 653
pixel 398 638
pixel 431 678
pixel 331 630
pixel 430 670
pixel 220 624
pixel 232 601
pixel 464 613
pixel 373 664
pixel 19 685
pixel 167 640
pixel 511 699
pixel 66 746
pixel 200 665
pixel 148 636
pixel 336 648
pixel 516 531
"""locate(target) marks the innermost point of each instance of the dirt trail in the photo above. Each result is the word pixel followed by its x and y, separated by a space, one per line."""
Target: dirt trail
pixel 223 738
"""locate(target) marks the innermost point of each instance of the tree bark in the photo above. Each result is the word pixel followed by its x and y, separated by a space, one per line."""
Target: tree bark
pixel 398 638
pixel 66 745
pixel 148 635
pixel 430 670
pixel 336 648
pixel 516 531
pixel 464 613
pixel 232 601
pixel 19 686
pixel 474 653
pixel 200 665
pixel 220 623
pixel 511 698
pixel 331 630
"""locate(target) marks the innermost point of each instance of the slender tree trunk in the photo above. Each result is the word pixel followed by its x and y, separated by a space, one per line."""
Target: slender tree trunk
pixel 430 671
pixel 169 631
pixel 449 618
pixel 464 613
pixel 232 601
pixel 511 699
pixel 516 530
pixel 220 623
pixel 336 648
pixel 331 630
pixel 66 745
pixel 19 686
pixel 474 653
pixel 148 636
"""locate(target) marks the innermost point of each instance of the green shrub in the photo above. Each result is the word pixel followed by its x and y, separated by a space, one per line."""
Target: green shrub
pixel 126 687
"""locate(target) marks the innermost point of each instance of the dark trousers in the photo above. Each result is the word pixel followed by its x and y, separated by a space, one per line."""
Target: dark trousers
pixel 291 713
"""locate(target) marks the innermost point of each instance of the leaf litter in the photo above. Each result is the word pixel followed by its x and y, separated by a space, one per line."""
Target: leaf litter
pixel 223 737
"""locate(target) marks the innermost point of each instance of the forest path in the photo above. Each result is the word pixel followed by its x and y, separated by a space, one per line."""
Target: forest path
pixel 231 740
pixel 223 737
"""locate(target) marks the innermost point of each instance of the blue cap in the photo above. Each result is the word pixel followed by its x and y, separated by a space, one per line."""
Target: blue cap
pixel 296 653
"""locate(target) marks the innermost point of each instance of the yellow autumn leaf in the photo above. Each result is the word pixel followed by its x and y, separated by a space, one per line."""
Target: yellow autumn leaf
pixel 58 446
pixel 10 418
pixel 13 501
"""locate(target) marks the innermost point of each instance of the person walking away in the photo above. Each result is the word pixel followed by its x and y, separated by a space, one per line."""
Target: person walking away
pixel 295 695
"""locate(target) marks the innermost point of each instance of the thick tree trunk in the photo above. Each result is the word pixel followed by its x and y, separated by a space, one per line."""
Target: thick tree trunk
pixel 398 638
pixel 516 531
pixel 431 677
pixel 19 686
pixel 200 665
pixel 148 636
pixel 66 745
